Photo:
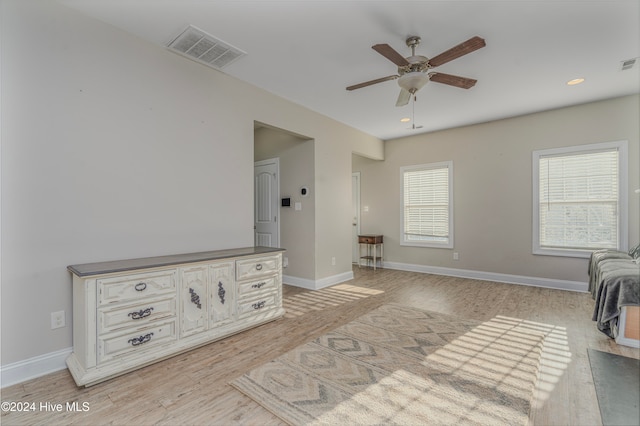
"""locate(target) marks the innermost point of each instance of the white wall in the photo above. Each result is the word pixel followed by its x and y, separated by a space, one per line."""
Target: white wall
pixel 492 187
pixel 115 148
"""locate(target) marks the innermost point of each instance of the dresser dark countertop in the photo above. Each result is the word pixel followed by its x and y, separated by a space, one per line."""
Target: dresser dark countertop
pixel 99 268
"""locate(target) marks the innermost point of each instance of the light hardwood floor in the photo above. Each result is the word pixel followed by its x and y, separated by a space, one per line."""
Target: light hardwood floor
pixel 193 389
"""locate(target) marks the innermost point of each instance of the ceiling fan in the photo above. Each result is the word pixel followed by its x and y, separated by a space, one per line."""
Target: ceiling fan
pixel 413 70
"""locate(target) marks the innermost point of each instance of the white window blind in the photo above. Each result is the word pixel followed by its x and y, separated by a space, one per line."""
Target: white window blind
pixel 579 198
pixel 426 205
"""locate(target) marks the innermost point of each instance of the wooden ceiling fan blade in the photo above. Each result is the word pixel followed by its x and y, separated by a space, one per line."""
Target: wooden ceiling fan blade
pixel 369 83
pixel 389 53
pixel 452 80
pixel 462 49
pixel 403 97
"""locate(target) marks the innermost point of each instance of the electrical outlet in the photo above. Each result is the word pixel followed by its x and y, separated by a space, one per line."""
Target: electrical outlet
pixel 456 256
pixel 57 320
pixel 333 261
pixel 285 262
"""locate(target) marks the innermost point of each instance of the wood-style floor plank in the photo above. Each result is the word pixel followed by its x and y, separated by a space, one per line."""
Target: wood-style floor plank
pixel 192 388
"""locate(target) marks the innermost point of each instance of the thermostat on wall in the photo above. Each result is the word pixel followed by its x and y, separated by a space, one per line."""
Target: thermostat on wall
pixel 286 202
pixel 304 191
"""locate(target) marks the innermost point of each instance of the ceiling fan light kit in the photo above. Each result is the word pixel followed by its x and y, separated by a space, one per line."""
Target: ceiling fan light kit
pixel 413 81
pixel 413 70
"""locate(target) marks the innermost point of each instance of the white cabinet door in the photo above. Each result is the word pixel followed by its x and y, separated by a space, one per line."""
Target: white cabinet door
pixel 194 300
pixel 221 293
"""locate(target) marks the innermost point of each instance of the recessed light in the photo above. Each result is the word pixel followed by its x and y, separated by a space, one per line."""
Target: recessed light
pixel 405 120
pixel 575 81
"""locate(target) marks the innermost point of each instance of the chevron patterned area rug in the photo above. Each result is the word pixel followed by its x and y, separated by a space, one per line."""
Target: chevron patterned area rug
pixel 401 365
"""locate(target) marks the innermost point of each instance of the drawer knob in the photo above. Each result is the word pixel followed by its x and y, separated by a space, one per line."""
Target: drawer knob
pixel 221 292
pixel 141 286
pixel 258 305
pixel 258 285
pixel 137 341
pixel 140 314
pixel 195 299
pixel 259 267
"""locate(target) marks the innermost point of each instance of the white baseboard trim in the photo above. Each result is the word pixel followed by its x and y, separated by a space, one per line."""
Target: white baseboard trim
pixel 317 284
pixel 31 368
pixel 492 276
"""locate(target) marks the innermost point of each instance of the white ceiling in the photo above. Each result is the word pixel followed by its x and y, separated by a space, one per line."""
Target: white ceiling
pixel 308 51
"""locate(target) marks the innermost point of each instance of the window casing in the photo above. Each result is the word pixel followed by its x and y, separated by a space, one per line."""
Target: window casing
pixel 427 205
pixel 580 199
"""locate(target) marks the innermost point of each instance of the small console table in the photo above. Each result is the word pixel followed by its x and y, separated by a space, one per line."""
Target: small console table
pixel 374 249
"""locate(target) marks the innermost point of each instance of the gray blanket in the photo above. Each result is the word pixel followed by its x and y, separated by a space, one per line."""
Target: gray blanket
pixel 617 284
pixel 596 258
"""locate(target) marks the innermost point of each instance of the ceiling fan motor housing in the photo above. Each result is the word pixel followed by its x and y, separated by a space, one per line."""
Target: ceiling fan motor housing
pixel 417 63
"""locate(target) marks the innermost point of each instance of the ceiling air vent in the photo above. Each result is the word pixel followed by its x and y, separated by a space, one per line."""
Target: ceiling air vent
pixel 197 45
pixel 628 64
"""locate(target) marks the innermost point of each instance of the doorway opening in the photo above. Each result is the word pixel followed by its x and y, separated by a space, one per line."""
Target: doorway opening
pixel 282 200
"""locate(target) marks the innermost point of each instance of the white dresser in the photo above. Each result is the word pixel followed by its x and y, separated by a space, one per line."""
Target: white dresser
pixel 131 313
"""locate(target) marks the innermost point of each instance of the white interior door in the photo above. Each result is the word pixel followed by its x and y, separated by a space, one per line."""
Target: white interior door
pixel 267 211
pixel 355 229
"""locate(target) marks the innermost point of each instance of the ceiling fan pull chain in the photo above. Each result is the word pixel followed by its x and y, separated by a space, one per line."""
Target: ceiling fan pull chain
pixel 413 112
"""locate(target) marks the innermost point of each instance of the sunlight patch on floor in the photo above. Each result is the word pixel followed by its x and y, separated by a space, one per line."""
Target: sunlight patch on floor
pixel 556 358
pixel 318 300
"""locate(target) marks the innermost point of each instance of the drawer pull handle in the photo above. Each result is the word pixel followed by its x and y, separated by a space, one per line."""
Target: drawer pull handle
pixel 258 305
pixel 140 314
pixel 258 285
pixel 136 341
pixel 195 299
pixel 141 286
pixel 221 292
pixel 259 267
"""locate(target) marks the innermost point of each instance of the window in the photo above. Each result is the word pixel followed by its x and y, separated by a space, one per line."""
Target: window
pixel 579 199
pixel 427 205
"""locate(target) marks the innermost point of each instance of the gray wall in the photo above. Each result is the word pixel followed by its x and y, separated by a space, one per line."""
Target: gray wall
pixel 492 186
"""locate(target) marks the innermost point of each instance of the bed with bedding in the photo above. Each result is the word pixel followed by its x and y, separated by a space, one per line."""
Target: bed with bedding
pixel 614 283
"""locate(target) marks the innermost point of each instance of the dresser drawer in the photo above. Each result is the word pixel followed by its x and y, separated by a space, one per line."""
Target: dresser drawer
pixel 254 305
pixel 247 269
pixel 135 287
pixel 139 340
pixel 135 315
pixel 249 288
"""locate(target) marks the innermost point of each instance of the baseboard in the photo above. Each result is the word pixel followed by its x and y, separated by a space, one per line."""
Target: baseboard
pixel 31 368
pixel 317 284
pixel 492 276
